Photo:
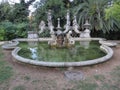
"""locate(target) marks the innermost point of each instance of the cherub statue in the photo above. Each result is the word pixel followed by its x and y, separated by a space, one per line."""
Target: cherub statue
pixel 75 25
pixel 69 38
pixel 42 26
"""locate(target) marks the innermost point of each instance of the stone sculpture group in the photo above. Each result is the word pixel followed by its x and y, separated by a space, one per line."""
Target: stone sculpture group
pixel 62 36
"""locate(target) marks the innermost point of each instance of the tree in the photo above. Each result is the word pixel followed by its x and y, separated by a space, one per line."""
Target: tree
pixel 20 11
pixel 94 11
pixel 113 11
pixel 5 9
pixel 15 13
pixel 58 10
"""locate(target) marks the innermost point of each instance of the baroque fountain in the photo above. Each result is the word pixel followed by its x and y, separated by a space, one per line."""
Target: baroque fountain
pixel 62 38
pixel 61 49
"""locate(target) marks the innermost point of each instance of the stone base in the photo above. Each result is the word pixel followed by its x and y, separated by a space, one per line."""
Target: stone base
pixel 32 34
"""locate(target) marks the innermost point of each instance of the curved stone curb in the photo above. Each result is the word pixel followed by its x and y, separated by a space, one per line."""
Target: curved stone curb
pixel 48 39
pixel 37 39
pixel 2 42
pixel 10 45
pixel 88 39
pixel 107 43
pixel 15 42
pixel 104 48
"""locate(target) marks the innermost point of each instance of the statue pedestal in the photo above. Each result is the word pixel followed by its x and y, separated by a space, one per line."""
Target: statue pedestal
pixel 85 34
pixel 32 34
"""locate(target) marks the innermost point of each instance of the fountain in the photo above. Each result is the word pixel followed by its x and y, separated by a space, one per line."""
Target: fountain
pixel 60 49
pixel 63 38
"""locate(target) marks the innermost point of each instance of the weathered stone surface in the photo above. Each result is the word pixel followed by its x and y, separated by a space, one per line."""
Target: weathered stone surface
pixel 10 44
pixel 32 34
pixel 108 43
pixel 74 75
pixel 106 49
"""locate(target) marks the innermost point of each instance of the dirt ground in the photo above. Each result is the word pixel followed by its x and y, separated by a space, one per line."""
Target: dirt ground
pixel 45 78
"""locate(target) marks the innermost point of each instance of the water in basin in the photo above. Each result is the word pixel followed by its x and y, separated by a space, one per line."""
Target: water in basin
pixel 41 51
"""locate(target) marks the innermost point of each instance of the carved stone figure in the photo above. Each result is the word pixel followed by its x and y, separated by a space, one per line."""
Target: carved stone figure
pixel 86 32
pixel 49 16
pixel 49 19
pixel 42 26
pixel 67 26
pixel 68 17
pixel 75 25
pixel 68 35
pixel 58 26
pixel 69 38
pixel 63 38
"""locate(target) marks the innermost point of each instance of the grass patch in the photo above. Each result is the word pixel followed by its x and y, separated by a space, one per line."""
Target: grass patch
pixel 84 85
pixel 27 78
pixel 4 86
pixel 116 73
pixel 115 76
pixel 35 81
pixel 107 86
pixel 99 77
pixel 5 70
pixel 117 68
pixel 5 73
pixel 20 87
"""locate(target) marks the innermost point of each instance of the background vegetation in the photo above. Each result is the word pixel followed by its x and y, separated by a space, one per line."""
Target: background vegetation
pixel 104 16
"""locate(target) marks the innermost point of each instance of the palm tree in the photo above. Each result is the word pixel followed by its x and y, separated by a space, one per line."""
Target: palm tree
pixel 94 11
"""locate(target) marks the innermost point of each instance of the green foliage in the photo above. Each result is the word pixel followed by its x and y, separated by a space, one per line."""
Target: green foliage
pixel 58 10
pixel 15 13
pixel 2 33
pixel 94 11
pixel 20 13
pixel 11 31
pixel 5 9
pixel 22 29
pixel 14 19
pixel 46 33
pixel 113 11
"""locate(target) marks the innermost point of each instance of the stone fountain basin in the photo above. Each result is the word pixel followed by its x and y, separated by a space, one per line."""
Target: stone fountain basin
pixel 108 43
pixel 104 48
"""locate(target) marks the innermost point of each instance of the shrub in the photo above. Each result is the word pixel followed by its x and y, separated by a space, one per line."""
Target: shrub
pixel 9 30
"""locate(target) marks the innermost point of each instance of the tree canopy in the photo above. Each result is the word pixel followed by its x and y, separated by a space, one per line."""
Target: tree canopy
pixel 5 10
pixel 15 13
pixel 97 12
pixel 94 11
pixel 113 11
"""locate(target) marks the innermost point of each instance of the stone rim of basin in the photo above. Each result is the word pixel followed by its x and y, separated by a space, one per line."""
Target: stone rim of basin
pixel 108 43
pixel 103 47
